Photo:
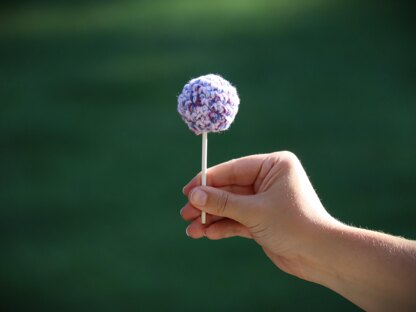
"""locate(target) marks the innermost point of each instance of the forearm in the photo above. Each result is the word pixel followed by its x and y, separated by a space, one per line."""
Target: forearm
pixel 376 271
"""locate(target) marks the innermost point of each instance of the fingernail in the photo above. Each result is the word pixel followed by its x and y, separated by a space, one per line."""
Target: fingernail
pixel 199 197
pixel 180 212
pixel 186 231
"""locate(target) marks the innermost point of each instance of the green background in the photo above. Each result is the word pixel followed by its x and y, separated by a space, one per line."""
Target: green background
pixel 93 155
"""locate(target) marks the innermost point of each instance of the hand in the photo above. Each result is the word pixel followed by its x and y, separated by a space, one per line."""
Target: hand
pixel 264 197
pixel 269 198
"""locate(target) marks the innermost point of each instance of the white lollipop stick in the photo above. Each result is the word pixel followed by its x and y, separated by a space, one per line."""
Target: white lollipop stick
pixel 204 169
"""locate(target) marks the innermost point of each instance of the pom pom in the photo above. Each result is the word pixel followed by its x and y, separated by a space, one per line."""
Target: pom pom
pixel 208 104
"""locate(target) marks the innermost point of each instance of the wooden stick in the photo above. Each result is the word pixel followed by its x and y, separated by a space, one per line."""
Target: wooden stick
pixel 204 169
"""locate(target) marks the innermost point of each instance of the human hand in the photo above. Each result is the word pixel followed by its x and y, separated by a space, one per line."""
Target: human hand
pixel 269 198
pixel 264 197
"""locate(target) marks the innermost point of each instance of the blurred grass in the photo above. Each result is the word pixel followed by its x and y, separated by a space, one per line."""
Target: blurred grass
pixel 94 155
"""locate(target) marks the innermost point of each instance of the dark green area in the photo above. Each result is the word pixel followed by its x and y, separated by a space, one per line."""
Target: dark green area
pixel 93 155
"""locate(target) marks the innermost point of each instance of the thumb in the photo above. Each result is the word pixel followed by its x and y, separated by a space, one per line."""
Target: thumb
pixel 222 203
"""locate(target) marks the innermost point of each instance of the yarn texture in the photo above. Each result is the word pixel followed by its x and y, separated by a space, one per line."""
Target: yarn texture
pixel 208 104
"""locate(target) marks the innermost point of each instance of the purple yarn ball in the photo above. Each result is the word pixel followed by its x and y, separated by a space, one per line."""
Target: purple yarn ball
pixel 208 104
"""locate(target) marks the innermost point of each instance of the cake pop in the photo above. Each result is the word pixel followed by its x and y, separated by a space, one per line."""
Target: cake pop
pixel 208 104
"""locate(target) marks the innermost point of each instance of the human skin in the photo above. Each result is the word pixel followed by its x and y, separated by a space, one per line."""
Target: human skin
pixel 269 198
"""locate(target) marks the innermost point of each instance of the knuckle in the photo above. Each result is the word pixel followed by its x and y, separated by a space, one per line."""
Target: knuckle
pixel 289 155
pixel 222 202
pixel 287 160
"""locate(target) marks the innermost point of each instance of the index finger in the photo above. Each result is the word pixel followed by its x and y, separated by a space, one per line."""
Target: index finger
pixel 241 172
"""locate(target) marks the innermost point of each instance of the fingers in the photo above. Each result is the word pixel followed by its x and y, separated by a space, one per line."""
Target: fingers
pixel 224 204
pixel 241 172
pixel 190 213
pixel 224 228
pixel 196 181
pixel 236 189
pixel 197 230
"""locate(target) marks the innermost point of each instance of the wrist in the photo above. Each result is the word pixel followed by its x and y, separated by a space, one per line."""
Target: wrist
pixel 319 261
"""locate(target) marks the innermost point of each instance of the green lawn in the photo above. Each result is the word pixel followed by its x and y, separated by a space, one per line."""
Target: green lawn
pixel 94 155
